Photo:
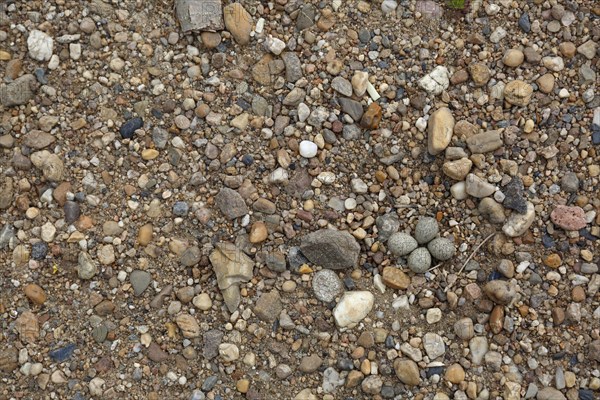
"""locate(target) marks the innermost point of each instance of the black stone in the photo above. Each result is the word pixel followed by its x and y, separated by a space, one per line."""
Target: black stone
pixel 349 283
pixel 524 23
pixel 547 241
pixel 128 128
pixel 72 211
pixel 39 250
pixel 515 199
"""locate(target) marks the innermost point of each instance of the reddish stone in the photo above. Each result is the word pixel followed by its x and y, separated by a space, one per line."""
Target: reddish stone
pixel 570 218
pixel 372 117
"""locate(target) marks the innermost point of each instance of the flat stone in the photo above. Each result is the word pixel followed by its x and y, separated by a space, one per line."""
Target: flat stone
pixel 434 345
pixel 238 22
pixel 19 91
pixel 457 169
pixel 342 86
pixel 514 196
pixel 330 249
pixel 188 325
pixel 407 371
pixel 485 142
pixel 549 393
pixel 351 107
pixel 231 267
pixel 518 93
pixel 396 279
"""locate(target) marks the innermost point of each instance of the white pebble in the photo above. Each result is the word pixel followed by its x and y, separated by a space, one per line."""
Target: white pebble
pixel 308 149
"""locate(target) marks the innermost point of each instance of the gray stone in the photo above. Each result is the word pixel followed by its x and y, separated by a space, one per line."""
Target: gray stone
pixel 419 260
pixel 550 394
pixel 19 91
pixel 514 196
pixel 212 340
pixel 401 244
pixel 427 228
pixel 140 280
pixel 351 107
pixel 434 345
pixel 276 262
pixel 484 142
pixel 86 267
pixel 326 285
pixel 387 225
pixel 293 66
pixel 7 233
pixel 231 203
pixel 268 306
pixel 330 249
pixel 441 249
pixel 190 256
pixel 38 139
pixel 492 210
pixel 342 86
pixel 477 187
pixel 204 15
pixel 569 182
pixel 306 17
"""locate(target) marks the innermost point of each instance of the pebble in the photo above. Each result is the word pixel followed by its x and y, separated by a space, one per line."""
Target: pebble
pixel 140 280
pixel 518 93
pixel 352 308
pixel 18 92
pixel 326 285
pixel 518 224
pixel 308 149
pixel 129 127
pixel 477 187
pixel 439 133
pixel 35 293
pixel 407 371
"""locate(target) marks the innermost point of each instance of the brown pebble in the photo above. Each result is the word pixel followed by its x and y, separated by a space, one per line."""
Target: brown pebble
pixel 371 117
pixel 578 294
pixel 35 293
pixel 258 232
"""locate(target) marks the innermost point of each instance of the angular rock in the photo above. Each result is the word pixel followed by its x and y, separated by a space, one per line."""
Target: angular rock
pixel 140 280
pixel 199 15
pixel 238 22
pixel 407 371
pixel 353 308
pixel 436 81
pixel 330 249
pixel 19 91
pixel 518 93
pixel 293 66
pixel 351 107
pixel 457 169
pixel 231 203
pixel 188 325
pixel 86 266
pixel 514 196
pixel 40 45
pixel 231 267
pixel 268 306
pixel 396 279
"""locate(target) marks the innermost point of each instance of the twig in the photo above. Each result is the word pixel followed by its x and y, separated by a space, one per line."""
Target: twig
pixel 475 251
pixel 434 267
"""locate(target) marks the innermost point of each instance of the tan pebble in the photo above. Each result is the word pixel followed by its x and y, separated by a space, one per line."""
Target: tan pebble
pixel 455 374
pixel 288 286
pixel 35 293
pixel 587 255
pixel 149 154
pixel 4 56
pixel 28 327
pixel 242 385
pixel 552 261
pixel 258 232
pixel 145 235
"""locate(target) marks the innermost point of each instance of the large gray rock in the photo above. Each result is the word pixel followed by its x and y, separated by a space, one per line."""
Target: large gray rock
pixel 199 15
pixel 330 249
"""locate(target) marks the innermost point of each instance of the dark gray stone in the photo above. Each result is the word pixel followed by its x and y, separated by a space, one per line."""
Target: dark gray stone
pixel 331 249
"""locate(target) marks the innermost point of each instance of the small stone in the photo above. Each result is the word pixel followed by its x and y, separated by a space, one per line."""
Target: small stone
pixel 19 91
pixel 457 169
pixel 477 187
pixel 342 86
pixel 401 244
pixel 441 249
pixel 407 371
pixel 485 142
pixel 268 306
pixel 396 279
pixel 229 352
pixel 588 49
pixel 419 261
pixel 546 83
pixel 330 249
pixel 517 224
pixel 360 80
pixel 308 149
pixel 258 232
pixel 464 328
pixel 480 73
pixel 128 128
pixel 371 117
pixel 40 45
pixel 439 133
pixel 326 285
pixel 352 308
pixel 238 22
pixel 570 182
pixel 518 93
pixel 550 394
pixel 569 218
pixel 210 40
pixel 500 292
pixel 434 345
pixel 309 364
pixel 436 82
pixel 231 203
pixel 455 374
pixel 140 280
pixel 188 325
pixel 86 267
pixel 479 347
pixel 493 211
pixel 513 58
pixel 35 293
pixel 514 196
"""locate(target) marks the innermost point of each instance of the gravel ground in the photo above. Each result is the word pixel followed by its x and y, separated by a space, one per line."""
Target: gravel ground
pixel 299 200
